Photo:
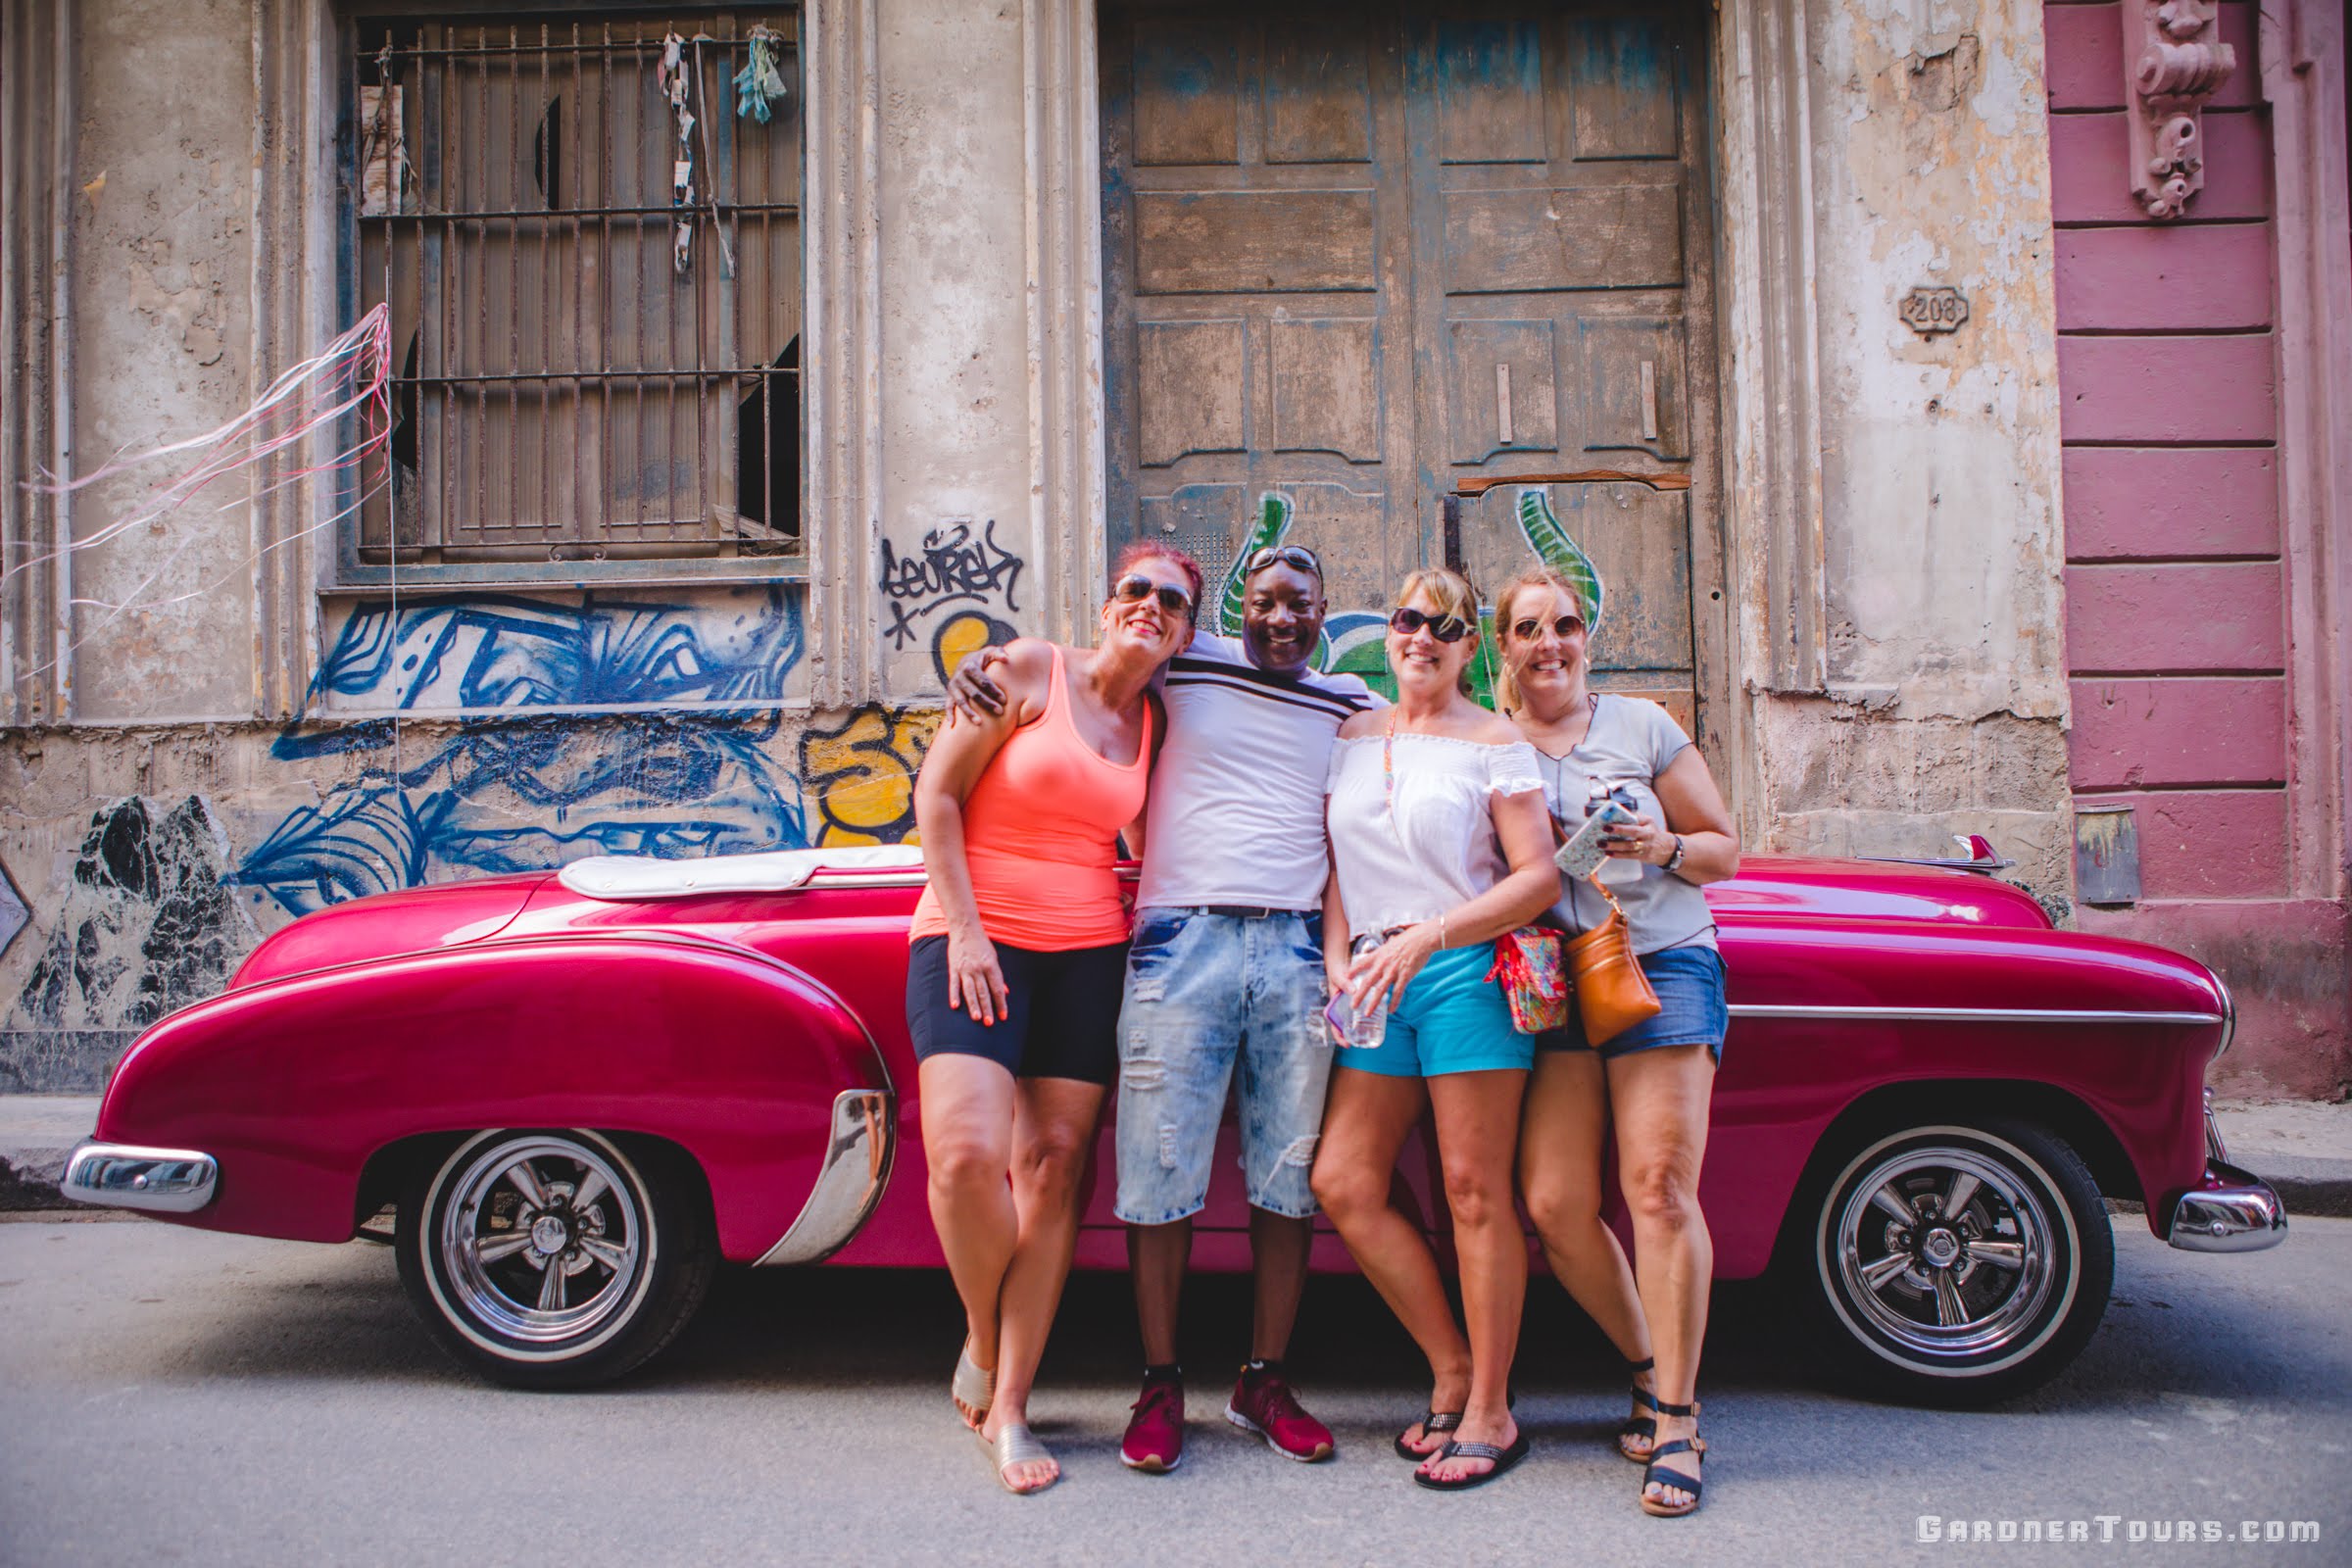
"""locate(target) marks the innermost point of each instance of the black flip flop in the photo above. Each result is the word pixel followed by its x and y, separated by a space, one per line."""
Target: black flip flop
pixel 1431 1423
pixel 1503 1460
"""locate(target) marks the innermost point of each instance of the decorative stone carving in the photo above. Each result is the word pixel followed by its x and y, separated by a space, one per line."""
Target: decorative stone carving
pixel 1930 311
pixel 2174 58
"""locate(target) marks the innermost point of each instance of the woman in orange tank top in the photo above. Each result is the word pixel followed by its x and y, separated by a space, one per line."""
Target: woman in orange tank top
pixel 1018 961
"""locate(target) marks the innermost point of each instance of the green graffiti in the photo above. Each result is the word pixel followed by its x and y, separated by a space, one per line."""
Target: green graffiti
pixel 1274 512
pixel 1352 642
pixel 1553 546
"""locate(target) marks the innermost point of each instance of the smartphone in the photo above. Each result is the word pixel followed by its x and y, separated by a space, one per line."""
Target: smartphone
pixel 1582 854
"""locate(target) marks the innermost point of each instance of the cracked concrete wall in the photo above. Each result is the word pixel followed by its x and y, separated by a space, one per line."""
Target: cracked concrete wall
pixel 955 323
pixel 163 322
pixel 1942 546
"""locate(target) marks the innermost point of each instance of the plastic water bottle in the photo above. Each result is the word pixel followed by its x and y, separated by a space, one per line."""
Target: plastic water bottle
pixel 1365 1029
pixel 1615 870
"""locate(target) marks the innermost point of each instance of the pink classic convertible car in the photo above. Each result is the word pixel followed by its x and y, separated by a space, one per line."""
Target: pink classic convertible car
pixel 580 1092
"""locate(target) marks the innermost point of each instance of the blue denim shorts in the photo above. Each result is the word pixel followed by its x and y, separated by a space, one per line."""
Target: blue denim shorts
pixel 1689 981
pixel 1452 1019
pixel 1207 994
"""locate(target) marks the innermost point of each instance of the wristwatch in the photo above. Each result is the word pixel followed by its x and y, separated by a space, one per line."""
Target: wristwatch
pixel 1675 858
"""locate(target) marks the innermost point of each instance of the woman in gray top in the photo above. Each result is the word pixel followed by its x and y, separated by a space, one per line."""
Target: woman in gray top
pixel 1656 1076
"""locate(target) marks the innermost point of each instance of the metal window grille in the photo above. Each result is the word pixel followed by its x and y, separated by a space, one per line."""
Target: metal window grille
pixel 596 328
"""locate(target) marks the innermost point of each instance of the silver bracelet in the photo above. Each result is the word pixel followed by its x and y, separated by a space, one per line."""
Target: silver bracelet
pixel 1441 931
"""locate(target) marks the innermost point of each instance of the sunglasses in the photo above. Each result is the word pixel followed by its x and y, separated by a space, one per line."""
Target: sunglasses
pixel 1406 621
pixel 1298 556
pixel 1135 588
pixel 1527 628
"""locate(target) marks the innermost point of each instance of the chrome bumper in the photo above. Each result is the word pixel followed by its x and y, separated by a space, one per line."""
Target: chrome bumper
pixel 2237 1213
pixel 848 1184
pixel 162 1180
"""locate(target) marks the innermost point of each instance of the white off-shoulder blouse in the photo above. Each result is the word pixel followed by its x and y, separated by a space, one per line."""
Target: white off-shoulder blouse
pixel 1412 848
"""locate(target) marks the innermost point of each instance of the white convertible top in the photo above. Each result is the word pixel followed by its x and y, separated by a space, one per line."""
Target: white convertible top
pixel 619 878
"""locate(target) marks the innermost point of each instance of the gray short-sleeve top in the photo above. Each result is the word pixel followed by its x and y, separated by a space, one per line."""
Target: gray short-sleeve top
pixel 1629 743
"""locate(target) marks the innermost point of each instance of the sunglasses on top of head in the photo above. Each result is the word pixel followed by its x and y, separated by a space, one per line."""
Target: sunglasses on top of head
pixel 1298 556
pixel 1527 628
pixel 1406 621
pixel 1135 588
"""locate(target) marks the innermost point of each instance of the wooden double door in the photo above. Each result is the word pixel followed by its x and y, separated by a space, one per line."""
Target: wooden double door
pixel 1357 254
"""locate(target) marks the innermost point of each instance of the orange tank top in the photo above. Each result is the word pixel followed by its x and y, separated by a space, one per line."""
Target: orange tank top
pixel 1040 835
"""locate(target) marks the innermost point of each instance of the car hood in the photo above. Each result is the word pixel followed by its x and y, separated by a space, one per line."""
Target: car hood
pixel 1771 887
pixel 385 925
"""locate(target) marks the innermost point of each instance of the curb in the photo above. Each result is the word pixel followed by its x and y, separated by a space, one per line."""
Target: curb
pixel 28 1181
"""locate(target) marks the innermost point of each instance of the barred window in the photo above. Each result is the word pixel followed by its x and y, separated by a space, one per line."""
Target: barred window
pixel 593 263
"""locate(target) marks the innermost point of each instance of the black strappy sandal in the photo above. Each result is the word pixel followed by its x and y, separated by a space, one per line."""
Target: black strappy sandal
pixel 1653 1473
pixel 1432 1423
pixel 1640 1426
pixel 1500 1459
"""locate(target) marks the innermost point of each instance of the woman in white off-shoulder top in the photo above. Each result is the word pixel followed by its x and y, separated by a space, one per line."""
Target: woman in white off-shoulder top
pixel 1440 844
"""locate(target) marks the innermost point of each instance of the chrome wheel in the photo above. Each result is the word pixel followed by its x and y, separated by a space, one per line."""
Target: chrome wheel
pixel 1956 1264
pixel 1945 1252
pixel 543 1238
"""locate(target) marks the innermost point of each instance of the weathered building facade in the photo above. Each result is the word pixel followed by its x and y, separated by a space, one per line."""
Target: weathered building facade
pixel 721 420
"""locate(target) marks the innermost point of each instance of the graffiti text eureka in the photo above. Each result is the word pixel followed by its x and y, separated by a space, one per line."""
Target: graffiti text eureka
pixel 2111 1528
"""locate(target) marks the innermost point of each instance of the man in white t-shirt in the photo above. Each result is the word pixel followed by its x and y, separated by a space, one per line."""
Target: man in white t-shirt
pixel 1226 970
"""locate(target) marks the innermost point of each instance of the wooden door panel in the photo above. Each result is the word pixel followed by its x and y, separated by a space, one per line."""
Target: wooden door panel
pixel 1187 98
pixel 1488 76
pixel 1503 388
pixel 1613 66
pixel 1558 270
pixel 1318 94
pixel 1357 254
pixel 1262 241
pixel 1272 271
pixel 1630 392
pixel 1326 388
pixel 1514 241
pixel 1189 385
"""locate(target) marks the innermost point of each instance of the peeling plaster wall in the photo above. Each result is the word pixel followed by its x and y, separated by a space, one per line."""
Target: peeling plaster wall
pixel 1941 460
pixel 153 859
pixel 955 329
pixel 162 323
pixel 1942 545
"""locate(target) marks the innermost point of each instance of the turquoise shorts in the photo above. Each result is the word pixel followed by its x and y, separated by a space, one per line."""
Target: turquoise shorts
pixel 1452 1019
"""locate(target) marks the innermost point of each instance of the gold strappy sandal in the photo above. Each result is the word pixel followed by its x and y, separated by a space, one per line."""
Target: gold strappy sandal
pixel 1015 1445
pixel 973 1385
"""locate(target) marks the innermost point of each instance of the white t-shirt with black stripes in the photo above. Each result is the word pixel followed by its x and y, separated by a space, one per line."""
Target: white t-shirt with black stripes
pixel 1235 810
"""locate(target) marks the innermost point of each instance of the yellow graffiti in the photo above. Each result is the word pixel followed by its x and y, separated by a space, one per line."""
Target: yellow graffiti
pixel 862 774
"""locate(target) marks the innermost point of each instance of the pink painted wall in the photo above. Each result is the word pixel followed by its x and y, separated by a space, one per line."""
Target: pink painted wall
pixel 2175 610
pixel 2178 586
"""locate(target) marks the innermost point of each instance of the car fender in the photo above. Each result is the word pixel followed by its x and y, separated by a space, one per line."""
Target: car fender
pixel 1824 1013
pixel 291 1085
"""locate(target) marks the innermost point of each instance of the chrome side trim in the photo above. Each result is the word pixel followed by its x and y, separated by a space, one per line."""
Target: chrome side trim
pixel 864 879
pixel 850 1183
pixel 2245 1216
pixel 1969 1015
pixel 2228 1017
pixel 159 1181
pixel 2215 1148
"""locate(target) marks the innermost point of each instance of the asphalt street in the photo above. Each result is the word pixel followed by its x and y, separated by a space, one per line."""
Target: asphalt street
pixel 171 1396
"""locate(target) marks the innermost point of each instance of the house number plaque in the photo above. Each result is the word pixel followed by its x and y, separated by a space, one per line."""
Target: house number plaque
pixel 1930 311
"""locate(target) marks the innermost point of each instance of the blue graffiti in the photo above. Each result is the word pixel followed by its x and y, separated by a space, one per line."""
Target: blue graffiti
pixel 500 651
pixel 529 789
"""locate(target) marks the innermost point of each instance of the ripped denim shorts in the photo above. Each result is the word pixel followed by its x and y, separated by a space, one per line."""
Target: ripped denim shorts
pixel 1207 994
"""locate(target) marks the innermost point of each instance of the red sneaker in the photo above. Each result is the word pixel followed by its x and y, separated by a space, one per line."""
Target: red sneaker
pixel 1262 1402
pixel 1155 1439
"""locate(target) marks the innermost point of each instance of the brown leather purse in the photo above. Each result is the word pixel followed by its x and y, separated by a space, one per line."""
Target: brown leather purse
pixel 1612 993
